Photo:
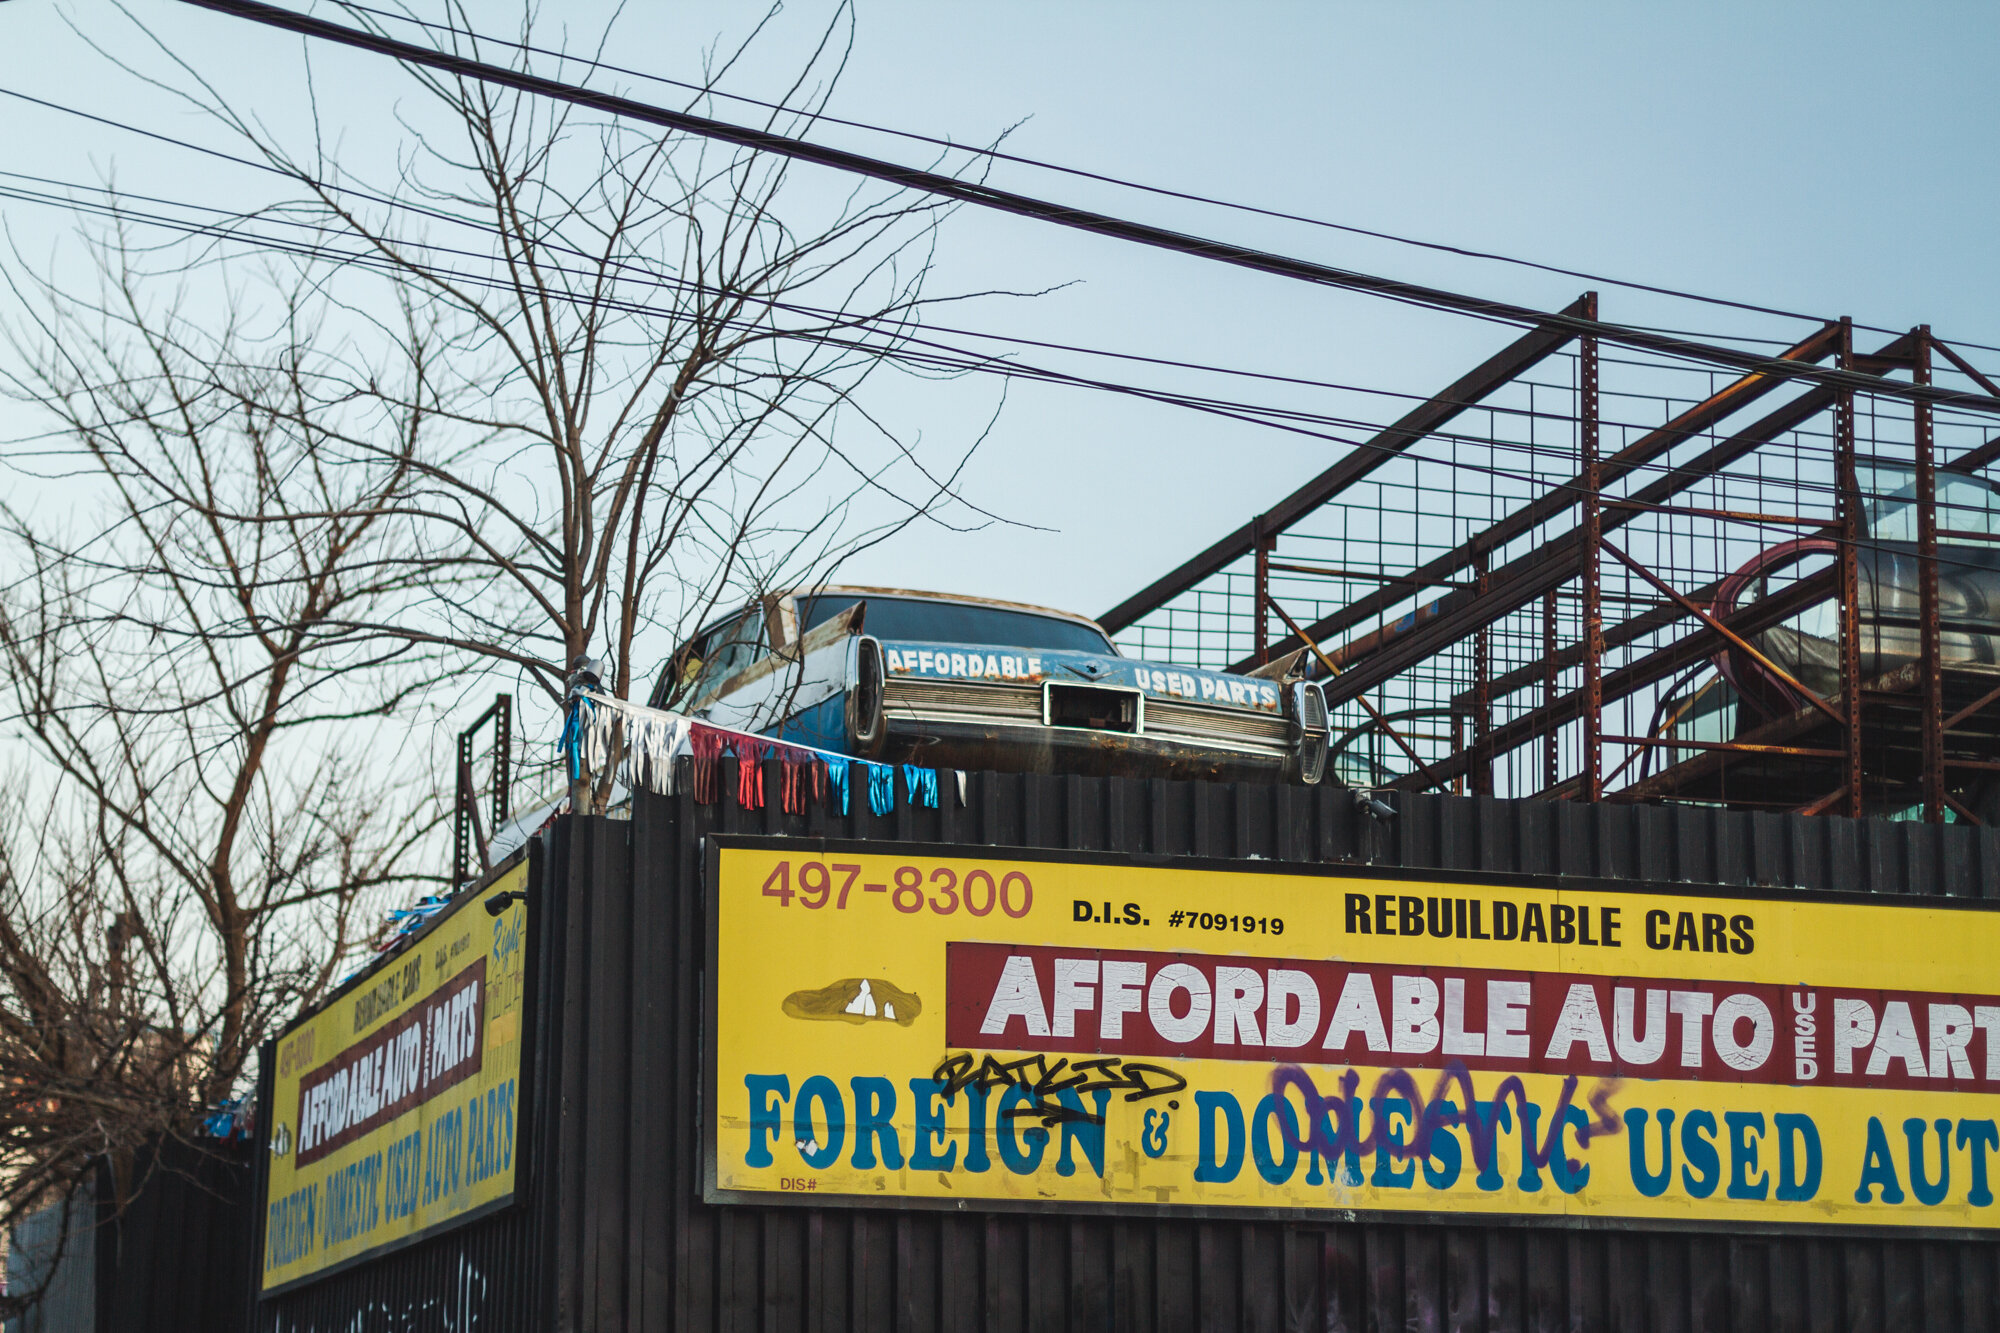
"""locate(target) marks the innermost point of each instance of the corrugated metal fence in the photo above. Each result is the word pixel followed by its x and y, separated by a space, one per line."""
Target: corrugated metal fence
pixel 173 1259
pixel 615 1236
pixel 54 1252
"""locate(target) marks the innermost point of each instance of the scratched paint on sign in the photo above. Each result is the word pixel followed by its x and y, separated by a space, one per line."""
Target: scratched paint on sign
pixel 1015 1029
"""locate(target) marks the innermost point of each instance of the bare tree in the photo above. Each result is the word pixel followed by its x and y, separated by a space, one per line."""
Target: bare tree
pixel 555 387
pixel 654 347
pixel 203 824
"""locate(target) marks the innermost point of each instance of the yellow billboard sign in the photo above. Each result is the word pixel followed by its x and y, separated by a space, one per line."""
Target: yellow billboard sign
pixel 890 1023
pixel 394 1108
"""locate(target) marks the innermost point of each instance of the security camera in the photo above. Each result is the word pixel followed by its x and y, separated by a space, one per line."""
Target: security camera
pixel 498 902
pixel 1374 807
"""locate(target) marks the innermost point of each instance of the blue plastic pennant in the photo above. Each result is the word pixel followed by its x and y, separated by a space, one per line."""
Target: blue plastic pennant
pixel 881 788
pixel 570 743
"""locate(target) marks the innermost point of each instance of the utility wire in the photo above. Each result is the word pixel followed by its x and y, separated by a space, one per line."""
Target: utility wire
pixel 222 224
pixel 1041 164
pixel 1087 220
pixel 436 214
pixel 441 215
pixel 902 344
pixel 901 335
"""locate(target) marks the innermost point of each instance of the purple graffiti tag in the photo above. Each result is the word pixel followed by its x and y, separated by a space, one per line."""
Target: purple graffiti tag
pixel 1335 1130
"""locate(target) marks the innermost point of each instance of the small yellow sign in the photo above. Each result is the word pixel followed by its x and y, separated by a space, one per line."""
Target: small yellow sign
pixel 393 1109
pixel 890 1023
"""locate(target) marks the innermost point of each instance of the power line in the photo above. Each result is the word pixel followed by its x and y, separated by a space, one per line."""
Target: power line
pixel 1041 164
pixel 1087 220
pixel 224 224
pixel 441 215
pixel 904 346
pixel 445 216
pixel 929 353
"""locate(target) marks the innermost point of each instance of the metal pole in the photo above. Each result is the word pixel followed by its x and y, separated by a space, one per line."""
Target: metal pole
pixel 503 741
pixel 1263 590
pixel 1550 755
pixel 1482 695
pixel 1849 491
pixel 461 832
pixel 1593 533
pixel 1931 649
pixel 468 835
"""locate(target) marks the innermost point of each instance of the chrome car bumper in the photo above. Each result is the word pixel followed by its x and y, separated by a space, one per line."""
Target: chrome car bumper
pixel 976 725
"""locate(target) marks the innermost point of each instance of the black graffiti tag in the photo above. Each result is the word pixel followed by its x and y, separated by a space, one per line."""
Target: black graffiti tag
pixel 1336 1130
pixel 1044 1082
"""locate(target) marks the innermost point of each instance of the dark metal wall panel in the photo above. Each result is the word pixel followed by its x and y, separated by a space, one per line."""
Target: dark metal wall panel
pixel 613 1235
pixel 54 1249
pixel 641 1251
pixel 175 1260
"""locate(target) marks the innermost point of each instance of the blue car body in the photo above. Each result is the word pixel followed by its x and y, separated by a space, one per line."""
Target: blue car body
pixel 1001 686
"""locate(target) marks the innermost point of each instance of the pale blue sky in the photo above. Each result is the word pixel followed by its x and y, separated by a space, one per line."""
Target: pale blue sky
pixel 1833 158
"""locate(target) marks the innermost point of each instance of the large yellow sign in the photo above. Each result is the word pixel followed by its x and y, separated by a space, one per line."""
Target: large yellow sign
pixel 393 1111
pixel 890 1023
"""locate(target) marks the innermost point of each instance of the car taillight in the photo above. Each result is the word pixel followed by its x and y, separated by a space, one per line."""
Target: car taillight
pixel 1309 711
pixel 865 726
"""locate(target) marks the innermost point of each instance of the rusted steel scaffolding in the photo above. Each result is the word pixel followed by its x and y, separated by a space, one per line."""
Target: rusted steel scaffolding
pixel 1599 573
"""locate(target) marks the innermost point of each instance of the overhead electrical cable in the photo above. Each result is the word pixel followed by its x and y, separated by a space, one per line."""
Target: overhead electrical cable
pixel 1088 220
pixel 437 214
pixel 943 357
pixel 904 347
pixel 1167 192
pixel 626 268
pixel 901 335
pixel 442 215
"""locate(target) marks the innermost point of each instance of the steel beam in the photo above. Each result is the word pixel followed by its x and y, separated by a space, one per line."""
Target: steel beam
pixel 1374 713
pixel 1263 543
pixel 1848 562
pixel 1975 460
pixel 1930 650
pixel 1774 733
pixel 1549 566
pixel 1650 621
pixel 1482 699
pixel 1972 372
pixel 1550 768
pixel 1590 570
pixel 1703 416
pixel 1735 640
pixel 1510 362
pixel 1657 665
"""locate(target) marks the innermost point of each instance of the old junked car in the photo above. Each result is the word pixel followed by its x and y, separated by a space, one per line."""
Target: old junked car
pixel 1742 695
pixel 960 682
pixel 1807 646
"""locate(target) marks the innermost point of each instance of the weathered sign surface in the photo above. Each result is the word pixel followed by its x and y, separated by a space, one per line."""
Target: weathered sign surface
pixel 891 1024
pixel 394 1108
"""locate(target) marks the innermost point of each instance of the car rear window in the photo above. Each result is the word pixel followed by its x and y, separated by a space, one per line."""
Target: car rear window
pixel 956 622
pixel 1964 504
